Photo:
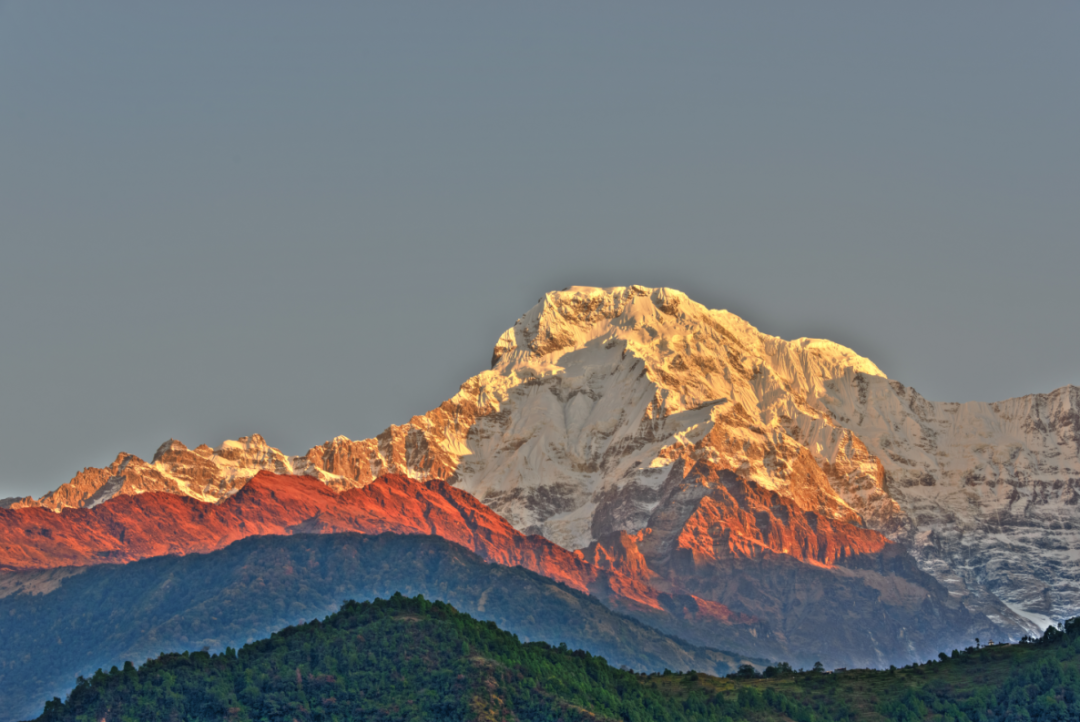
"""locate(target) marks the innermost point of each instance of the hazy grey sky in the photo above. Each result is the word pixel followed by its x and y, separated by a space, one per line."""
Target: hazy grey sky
pixel 312 219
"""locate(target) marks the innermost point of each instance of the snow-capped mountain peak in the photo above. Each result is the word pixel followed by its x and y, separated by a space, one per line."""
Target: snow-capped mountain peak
pixel 638 418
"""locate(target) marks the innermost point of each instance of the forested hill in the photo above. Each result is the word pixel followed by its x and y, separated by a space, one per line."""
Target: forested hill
pixel 398 659
pixel 411 659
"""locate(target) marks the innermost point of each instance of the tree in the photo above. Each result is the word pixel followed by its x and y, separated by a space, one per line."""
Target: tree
pixel 745 671
pixel 780 669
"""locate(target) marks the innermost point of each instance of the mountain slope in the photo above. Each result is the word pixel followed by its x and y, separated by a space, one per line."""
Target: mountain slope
pixel 992 490
pixel 127 528
pixel 103 615
pixel 767 604
pixel 603 390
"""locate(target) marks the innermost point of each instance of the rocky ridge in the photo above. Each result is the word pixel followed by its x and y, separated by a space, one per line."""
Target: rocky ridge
pixel 131 527
pixel 799 604
pixel 991 490
pixel 202 473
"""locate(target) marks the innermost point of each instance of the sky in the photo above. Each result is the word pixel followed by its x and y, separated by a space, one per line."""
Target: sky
pixel 313 219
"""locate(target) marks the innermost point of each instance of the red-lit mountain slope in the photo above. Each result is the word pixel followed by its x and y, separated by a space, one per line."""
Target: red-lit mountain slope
pixel 127 528
pixel 813 584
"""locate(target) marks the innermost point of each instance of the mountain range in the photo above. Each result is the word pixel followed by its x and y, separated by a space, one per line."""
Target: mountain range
pixel 638 446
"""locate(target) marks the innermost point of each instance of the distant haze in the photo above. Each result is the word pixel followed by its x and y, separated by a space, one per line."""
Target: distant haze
pixel 309 220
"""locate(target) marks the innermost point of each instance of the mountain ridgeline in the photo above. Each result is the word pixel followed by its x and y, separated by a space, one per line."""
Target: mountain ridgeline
pixel 864 609
pixel 411 659
pixel 783 498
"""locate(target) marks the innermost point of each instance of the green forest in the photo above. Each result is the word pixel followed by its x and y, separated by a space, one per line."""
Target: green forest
pixel 411 659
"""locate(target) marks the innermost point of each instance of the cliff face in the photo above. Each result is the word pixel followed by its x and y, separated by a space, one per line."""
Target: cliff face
pixel 638 412
pixel 991 490
pixel 814 579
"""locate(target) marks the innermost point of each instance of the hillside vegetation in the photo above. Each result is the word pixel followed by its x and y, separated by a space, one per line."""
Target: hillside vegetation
pixel 398 659
pixel 1037 680
pixel 411 659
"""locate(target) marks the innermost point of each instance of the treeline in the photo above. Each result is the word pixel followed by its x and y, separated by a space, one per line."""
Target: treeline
pixel 1042 684
pixel 1037 680
pixel 399 659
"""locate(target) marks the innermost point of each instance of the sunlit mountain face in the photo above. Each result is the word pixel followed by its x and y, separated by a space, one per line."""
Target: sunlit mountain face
pixel 795 500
